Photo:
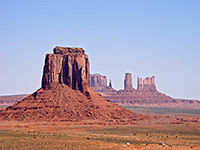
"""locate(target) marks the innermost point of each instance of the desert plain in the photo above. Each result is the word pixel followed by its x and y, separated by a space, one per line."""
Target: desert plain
pixel 173 131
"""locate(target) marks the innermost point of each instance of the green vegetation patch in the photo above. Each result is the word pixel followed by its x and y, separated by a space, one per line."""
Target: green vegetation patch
pixel 19 140
pixel 163 110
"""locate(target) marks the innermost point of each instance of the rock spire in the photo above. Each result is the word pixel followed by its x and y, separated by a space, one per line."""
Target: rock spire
pixel 110 83
pixel 128 81
pixel 139 83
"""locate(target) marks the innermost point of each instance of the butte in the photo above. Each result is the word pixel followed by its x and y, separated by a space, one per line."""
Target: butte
pixel 65 94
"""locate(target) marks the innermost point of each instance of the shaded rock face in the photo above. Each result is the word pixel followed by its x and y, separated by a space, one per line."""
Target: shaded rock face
pixel 110 83
pixel 97 80
pixel 68 66
pixel 128 81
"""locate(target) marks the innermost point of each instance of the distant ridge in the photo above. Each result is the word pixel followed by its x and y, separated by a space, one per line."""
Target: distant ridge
pixel 11 99
pixel 146 94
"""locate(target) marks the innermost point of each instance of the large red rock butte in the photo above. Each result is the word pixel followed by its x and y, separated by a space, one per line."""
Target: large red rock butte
pixel 66 95
pixel 145 95
pixel 68 66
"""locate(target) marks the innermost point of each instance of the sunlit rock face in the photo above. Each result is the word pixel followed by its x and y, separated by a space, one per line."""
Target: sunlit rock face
pixel 68 66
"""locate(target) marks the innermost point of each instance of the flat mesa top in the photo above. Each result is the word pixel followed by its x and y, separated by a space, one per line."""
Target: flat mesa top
pixel 67 50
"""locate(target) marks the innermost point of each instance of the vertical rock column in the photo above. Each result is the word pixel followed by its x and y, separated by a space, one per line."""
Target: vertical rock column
pixel 110 84
pixel 128 81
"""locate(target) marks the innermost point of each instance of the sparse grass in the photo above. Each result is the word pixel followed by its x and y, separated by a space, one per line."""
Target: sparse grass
pixel 169 134
pixel 97 137
pixel 18 140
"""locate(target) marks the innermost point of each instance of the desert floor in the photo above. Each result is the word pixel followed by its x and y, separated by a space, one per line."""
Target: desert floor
pixel 176 132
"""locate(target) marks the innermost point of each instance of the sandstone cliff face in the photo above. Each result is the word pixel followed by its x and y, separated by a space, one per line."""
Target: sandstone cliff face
pixel 68 66
pixel 97 80
pixel 128 81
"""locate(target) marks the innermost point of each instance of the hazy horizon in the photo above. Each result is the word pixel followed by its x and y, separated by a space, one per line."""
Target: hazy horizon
pixel 145 38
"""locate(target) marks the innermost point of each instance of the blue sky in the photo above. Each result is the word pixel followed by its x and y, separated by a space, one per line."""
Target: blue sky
pixel 144 37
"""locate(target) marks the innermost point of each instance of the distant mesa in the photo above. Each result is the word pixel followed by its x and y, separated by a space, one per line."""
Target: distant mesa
pixel 98 80
pixel 99 84
pixel 146 94
pixel 65 94
pixel 11 99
